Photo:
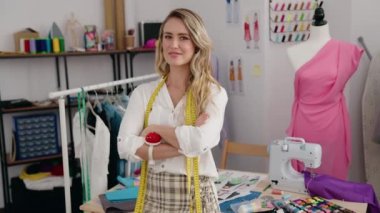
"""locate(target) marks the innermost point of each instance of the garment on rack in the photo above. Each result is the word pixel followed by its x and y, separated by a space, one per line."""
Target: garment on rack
pixel 111 112
pixel 319 113
pixel 114 119
pixel 98 148
pixel 371 130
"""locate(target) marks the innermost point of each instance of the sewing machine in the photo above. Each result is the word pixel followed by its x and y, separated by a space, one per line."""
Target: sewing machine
pixel 281 173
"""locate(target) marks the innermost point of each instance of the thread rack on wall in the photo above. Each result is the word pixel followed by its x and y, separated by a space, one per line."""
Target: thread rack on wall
pixel 290 20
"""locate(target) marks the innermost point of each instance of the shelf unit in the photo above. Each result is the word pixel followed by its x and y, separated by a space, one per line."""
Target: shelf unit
pixel 6 160
pixel 11 162
pixel 116 68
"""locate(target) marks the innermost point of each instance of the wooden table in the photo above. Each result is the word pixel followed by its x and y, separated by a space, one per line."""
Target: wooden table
pixel 95 206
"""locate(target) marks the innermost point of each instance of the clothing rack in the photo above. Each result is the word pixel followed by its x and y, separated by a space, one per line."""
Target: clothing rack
pixel 361 41
pixel 62 117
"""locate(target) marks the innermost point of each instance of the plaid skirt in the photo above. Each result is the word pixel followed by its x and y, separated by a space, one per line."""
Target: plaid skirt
pixel 166 192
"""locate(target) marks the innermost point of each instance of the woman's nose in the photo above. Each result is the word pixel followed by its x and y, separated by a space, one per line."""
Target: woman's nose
pixel 174 43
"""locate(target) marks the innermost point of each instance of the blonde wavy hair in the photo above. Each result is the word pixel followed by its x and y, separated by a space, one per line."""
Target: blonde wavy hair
pixel 200 65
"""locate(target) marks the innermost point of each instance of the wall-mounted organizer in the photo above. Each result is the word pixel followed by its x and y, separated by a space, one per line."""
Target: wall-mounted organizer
pixel 290 20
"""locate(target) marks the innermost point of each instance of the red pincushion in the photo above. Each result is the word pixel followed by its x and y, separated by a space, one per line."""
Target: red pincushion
pixel 153 138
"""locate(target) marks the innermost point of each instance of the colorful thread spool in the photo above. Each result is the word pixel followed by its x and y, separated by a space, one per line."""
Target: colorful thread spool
pixel 61 44
pixel 32 45
pixel 40 46
pixel 56 48
pixel 22 45
pixel 48 45
pixel 27 45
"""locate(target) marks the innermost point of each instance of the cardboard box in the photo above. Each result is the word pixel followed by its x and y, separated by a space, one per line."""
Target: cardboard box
pixel 120 24
pixel 27 33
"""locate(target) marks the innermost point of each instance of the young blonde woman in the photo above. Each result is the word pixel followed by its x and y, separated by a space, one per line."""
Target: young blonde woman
pixel 186 108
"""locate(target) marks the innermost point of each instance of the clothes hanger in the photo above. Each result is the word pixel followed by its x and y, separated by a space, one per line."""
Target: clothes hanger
pixel 107 99
pixel 97 102
pixel 89 106
pixel 119 102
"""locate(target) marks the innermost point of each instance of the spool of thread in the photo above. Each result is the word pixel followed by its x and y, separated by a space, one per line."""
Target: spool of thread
pixel 27 45
pixel 48 45
pixel 32 45
pixel 44 46
pixel 22 45
pixel 39 45
pixel 56 48
pixel 61 44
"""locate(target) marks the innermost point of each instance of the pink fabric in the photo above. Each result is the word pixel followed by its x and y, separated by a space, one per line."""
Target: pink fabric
pixel 319 113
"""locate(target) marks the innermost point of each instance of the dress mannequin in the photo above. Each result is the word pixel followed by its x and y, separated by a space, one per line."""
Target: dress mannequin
pixel 319 114
pixel 319 36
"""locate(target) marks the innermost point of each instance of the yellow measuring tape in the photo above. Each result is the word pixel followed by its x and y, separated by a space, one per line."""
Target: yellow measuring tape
pixel 191 163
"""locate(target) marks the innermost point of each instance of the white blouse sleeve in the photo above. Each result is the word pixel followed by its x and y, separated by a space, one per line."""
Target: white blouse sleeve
pixel 194 141
pixel 132 124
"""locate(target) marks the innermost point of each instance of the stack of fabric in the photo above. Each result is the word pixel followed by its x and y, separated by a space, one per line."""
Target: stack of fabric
pixel 43 176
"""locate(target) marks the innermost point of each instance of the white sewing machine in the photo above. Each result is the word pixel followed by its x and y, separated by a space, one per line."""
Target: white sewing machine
pixel 281 173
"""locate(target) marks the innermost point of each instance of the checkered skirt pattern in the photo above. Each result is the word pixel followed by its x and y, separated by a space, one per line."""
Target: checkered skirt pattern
pixel 167 192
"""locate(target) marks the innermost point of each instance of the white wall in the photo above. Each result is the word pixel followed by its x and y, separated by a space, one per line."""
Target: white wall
pixel 363 20
pixel 261 116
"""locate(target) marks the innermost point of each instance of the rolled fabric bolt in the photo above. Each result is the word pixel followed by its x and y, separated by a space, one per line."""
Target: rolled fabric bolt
pixel 48 45
pixel 39 45
pixel 32 45
pixel 61 44
pixel 27 45
pixel 56 45
pixel 43 46
pixel 22 45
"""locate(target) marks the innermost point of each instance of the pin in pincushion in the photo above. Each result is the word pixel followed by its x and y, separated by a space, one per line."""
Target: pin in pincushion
pixel 152 139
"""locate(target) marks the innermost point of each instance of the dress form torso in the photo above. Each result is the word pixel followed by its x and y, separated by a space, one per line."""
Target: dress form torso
pixel 319 112
pixel 302 53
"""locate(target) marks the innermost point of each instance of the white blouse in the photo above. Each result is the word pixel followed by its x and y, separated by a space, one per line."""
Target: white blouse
pixel 193 141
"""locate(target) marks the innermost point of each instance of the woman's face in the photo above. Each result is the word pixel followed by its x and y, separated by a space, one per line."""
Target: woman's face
pixel 178 48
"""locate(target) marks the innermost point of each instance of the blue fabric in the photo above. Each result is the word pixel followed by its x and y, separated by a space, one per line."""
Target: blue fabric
pixel 113 120
pixel 122 194
pixel 127 182
pixel 225 207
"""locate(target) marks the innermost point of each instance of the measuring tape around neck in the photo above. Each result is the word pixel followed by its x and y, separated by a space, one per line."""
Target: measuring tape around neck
pixel 192 164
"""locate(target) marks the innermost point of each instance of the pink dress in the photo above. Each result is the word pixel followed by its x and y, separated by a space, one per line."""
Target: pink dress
pixel 247 32
pixel 319 113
